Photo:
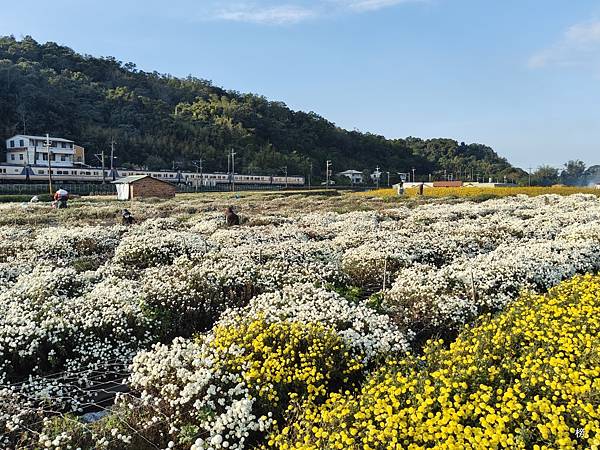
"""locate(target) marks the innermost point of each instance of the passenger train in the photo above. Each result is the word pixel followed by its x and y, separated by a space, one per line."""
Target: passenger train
pixel 21 174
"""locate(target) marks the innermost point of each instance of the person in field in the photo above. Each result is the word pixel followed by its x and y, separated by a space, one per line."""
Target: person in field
pixel 60 199
pixel 420 188
pixel 400 188
pixel 231 218
pixel 127 218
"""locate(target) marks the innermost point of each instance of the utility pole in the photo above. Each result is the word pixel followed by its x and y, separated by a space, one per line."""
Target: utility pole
pixel 47 145
pixel 529 172
pixel 112 158
pixel 310 175
pixel 229 167
pixel 198 164
pixel 286 176
pixel 103 167
pixel 413 171
pixel 327 166
pixel 100 157
pixel 378 175
pixel 232 170
pixel 388 174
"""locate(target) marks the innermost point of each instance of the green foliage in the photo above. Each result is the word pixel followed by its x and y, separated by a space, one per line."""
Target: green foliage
pixel 160 121
pixel 351 293
pixel 545 176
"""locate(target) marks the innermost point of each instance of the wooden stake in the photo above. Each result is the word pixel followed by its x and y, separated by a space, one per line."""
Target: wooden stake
pixel 384 272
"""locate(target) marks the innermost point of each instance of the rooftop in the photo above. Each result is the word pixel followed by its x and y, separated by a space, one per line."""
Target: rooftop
pixel 133 178
pixel 41 138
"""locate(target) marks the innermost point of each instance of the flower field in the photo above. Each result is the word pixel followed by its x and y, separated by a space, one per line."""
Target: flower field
pixel 320 322
pixel 486 192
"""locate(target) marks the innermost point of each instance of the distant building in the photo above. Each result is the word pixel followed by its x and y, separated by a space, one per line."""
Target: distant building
pixel 355 176
pixel 597 185
pixel 27 150
pixel 376 176
pixel 143 186
pixel 447 184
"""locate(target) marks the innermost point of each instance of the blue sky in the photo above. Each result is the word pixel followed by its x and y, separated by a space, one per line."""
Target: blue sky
pixel 522 76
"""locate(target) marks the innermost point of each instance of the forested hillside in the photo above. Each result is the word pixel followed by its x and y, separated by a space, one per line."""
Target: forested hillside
pixel 159 121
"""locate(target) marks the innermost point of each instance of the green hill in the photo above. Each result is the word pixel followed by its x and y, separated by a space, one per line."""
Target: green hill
pixel 159 121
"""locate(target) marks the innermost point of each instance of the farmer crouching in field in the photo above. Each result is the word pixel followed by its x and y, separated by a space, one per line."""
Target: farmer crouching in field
pixel 127 217
pixel 60 199
pixel 231 218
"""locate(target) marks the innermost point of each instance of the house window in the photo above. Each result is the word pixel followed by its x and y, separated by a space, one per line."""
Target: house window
pixel 21 143
pixel 12 157
pixel 21 156
pixel 12 144
pixel 45 156
pixel 62 158
pixel 64 145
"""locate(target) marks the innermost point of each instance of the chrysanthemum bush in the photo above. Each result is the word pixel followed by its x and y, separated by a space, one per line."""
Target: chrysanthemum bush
pixel 227 389
pixel 145 248
pixel 529 378
pixel 364 330
pixel 78 299
pixel 456 293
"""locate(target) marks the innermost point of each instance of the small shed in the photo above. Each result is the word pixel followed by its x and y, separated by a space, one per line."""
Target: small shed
pixel 140 186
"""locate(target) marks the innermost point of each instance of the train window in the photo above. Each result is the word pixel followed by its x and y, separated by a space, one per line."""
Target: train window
pixel 41 172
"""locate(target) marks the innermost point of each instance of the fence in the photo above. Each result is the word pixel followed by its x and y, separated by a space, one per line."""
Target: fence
pixel 109 189
pixel 36 189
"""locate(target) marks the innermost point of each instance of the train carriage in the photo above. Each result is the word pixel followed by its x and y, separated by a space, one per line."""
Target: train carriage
pixel 23 174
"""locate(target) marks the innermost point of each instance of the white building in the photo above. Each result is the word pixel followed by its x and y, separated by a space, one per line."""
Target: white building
pixel 24 150
pixel 355 176
pixel 376 176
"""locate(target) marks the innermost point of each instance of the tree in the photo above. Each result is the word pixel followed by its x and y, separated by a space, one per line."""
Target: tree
pixel 545 176
pixel 573 173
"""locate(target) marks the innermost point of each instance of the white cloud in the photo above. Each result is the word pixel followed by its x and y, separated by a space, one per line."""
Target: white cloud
pixel 270 12
pixel 373 5
pixel 276 15
pixel 579 46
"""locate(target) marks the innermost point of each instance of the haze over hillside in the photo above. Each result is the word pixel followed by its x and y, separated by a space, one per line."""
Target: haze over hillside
pixel 160 121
